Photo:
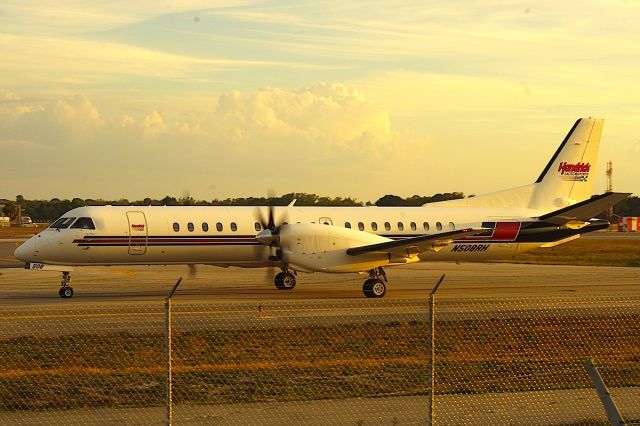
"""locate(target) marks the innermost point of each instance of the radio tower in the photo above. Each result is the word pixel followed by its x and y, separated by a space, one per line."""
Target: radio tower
pixel 610 188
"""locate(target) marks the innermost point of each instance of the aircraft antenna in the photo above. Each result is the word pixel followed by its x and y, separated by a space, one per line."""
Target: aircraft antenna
pixel 610 188
pixel 609 176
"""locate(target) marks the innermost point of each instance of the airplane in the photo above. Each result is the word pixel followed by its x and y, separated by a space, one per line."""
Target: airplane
pixel 555 209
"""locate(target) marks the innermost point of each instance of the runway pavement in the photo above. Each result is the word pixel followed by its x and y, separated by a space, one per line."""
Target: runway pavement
pixel 111 298
pixel 148 284
pixel 7 247
pixel 132 298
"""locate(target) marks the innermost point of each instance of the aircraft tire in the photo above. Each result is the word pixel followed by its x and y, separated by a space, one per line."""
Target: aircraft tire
pixel 374 288
pixel 285 281
pixel 66 292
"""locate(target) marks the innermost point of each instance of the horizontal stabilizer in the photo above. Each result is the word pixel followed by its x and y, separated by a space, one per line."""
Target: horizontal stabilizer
pixel 584 210
pixel 407 246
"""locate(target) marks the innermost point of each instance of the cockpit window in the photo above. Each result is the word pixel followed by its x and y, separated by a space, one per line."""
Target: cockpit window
pixel 84 223
pixel 62 223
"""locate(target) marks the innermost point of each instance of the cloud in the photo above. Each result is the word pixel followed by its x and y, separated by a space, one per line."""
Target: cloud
pixel 153 125
pixel 327 117
pixel 72 119
pixel 37 61
pixel 50 16
pixel 324 117
pixel 287 136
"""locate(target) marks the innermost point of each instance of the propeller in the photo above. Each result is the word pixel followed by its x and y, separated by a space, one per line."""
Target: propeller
pixel 269 235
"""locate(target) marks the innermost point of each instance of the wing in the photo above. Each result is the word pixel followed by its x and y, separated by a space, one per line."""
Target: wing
pixel 584 210
pixel 409 246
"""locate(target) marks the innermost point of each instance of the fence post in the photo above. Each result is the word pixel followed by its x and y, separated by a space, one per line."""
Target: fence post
pixel 167 353
pixel 432 351
pixel 609 405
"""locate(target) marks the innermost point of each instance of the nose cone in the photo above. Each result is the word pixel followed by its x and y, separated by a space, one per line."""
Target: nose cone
pixel 26 250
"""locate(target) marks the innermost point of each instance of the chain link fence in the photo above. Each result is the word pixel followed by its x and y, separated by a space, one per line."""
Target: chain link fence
pixel 523 361
pixel 351 362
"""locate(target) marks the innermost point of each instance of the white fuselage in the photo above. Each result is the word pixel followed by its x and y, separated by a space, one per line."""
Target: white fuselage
pixel 226 236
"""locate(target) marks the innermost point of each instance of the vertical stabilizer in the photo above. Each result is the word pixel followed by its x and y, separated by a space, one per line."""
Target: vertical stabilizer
pixel 568 177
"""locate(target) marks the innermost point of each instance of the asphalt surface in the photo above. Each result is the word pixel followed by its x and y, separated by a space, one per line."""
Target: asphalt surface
pixel 7 247
pixel 526 409
pixel 109 298
pixel 132 298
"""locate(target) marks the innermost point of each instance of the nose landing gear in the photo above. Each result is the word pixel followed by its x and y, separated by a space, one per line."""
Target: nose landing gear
pixel 66 291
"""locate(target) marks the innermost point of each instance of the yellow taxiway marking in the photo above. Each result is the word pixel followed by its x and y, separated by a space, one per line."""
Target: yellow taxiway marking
pixel 10 259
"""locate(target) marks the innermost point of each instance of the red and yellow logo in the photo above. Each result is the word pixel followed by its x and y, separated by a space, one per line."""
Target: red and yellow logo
pixel 576 172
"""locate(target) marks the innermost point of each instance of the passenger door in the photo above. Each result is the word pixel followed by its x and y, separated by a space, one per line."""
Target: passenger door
pixel 138 233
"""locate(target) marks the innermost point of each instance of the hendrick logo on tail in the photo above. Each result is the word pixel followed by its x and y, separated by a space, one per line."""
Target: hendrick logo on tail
pixel 576 172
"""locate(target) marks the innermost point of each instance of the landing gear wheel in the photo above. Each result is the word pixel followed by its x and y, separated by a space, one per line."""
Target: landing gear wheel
pixel 374 288
pixel 66 292
pixel 285 281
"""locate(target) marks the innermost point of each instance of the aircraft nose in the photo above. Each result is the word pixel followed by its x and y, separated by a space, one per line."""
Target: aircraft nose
pixel 26 250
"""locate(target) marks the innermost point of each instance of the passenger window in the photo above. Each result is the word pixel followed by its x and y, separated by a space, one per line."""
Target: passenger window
pixel 361 226
pixel 234 227
pixel 190 227
pixel 62 223
pixel 387 226
pixel 205 226
pixel 83 223
pixel 257 226
pixel 176 226
pixel 413 226
pixel 438 226
pixel 219 227
pixel 400 226
pixel 374 226
pixel 347 225
pixel 452 226
pixel 425 225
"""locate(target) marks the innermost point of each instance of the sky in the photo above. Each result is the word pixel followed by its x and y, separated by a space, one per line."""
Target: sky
pixel 217 99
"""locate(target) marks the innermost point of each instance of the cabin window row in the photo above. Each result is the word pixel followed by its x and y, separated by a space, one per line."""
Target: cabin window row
pixel 205 227
pixel 400 226
pixel 361 226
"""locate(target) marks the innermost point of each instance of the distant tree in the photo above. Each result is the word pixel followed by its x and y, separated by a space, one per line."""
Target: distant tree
pixel 628 207
pixel 390 200
pixel 169 201
pixel 417 200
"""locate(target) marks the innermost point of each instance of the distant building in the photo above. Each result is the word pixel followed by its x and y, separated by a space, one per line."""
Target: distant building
pixel 629 224
pixel 5 222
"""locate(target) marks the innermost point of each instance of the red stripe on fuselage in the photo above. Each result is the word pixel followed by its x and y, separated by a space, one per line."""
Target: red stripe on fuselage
pixel 504 231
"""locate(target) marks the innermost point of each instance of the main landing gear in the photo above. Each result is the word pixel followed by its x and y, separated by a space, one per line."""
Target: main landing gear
pixel 374 286
pixel 285 280
pixel 66 291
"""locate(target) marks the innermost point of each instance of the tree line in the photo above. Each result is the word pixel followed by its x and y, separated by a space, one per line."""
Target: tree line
pixel 49 210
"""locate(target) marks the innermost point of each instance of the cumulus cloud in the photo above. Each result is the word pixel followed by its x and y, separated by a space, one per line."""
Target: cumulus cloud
pixel 307 133
pixel 71 119
pixel 325 115
pixel 153 125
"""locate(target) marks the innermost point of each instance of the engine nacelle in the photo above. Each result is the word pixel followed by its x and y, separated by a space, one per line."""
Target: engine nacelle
pixel 312 247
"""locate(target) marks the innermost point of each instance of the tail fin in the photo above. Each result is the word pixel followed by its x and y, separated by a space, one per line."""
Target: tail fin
pixel 568 177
